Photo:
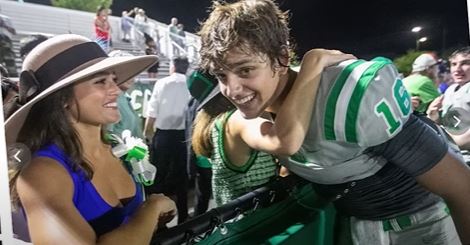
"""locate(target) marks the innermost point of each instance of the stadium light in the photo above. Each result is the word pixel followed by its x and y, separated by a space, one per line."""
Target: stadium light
pixel 416 29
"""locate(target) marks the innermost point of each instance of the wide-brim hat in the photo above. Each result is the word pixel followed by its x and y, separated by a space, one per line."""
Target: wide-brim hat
pixel 205 89
pixel 61 61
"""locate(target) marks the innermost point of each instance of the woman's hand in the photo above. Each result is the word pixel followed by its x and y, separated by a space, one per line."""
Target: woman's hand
pixel 323 57
pixel 165 207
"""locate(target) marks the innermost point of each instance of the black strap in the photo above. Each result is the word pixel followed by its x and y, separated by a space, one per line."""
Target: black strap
pixel 34 82
pixel 64 62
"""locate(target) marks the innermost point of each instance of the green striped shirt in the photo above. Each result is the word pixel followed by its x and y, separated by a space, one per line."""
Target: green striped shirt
pixel 230 181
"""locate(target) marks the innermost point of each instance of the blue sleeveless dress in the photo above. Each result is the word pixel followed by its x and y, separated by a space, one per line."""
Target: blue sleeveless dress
pixel 100 215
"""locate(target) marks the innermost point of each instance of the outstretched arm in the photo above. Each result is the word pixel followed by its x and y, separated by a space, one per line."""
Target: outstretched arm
pixel 422 153
pixel 450 179
pixel 287 133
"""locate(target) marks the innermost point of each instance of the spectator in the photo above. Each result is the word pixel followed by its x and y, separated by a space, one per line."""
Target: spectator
pixel 199 167
pixel 126 25
pixel 456 97
pixel 74 185
pixel 157 38
pixel 7 56
pixel 28 43
pixel 129 119
pixel 103 29
pixel 422 83
pixel 140 22
pixel 9 92
pixel 174 37
pixel 181 37
pixel 357 141
pixel 165 122
pixel 445 78
pixel 151 50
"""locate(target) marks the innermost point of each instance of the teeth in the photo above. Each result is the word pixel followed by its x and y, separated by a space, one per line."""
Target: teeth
pixel 111 104
pixel 244 100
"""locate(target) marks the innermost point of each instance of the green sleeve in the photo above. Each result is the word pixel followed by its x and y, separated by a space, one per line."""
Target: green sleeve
pixel 427 93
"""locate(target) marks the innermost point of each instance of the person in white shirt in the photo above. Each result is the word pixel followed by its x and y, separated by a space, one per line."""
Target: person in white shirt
pixel 165 125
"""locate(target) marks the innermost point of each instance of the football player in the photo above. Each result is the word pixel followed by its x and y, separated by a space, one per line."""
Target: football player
pixel 392 178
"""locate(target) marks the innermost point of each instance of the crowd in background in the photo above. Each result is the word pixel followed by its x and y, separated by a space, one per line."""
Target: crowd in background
pixel 136 27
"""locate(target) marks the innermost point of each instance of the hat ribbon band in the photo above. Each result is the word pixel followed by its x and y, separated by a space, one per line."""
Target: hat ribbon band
pixel 64 62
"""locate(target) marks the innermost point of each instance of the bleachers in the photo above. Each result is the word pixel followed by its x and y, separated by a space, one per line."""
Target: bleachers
pixel 28 18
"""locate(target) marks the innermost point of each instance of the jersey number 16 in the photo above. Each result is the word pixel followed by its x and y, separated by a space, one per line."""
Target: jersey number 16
pixel 403 102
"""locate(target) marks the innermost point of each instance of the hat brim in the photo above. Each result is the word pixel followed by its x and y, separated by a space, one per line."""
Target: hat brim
pixel 215 91
pixel 125 68
pixel 422 68
pixel 215 103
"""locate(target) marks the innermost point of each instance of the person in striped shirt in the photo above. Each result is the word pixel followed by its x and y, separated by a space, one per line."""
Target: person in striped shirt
pixel 393 179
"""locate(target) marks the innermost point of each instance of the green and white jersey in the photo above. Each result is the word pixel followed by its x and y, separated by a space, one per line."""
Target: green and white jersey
pixel 455 109
pixel 456 96
pixel 359 104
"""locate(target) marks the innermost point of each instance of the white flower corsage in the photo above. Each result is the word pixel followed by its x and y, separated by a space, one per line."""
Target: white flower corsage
pixel 137 155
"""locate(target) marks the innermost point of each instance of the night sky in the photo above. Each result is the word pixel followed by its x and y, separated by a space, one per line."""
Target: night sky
pixel 365 28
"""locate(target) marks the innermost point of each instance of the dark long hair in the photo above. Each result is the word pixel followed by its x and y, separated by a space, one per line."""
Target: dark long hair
pixel 48 123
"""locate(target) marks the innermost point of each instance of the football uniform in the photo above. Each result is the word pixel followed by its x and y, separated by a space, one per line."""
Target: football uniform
pixel 456 108
pixel 359 104
pixel 455 112
pixel 457 96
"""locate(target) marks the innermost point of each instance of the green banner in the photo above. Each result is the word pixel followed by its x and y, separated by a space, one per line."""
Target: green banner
pixel 140 95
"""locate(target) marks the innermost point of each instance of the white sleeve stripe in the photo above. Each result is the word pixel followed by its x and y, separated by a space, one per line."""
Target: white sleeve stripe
pixel 343 100
pixel 356 98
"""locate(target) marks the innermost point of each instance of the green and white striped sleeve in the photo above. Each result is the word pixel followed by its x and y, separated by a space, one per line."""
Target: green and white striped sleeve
pixel 368 103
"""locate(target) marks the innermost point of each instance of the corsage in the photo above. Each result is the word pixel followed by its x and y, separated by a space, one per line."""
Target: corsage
pixel 136 154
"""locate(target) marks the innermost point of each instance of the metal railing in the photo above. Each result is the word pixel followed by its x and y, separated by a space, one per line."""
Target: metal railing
pixel 28 17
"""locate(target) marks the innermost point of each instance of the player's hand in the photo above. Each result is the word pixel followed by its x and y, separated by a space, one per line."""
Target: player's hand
pixel 415 102
pixel 434 108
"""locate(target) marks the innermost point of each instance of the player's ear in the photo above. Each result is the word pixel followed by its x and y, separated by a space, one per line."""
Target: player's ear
pixel 284 61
